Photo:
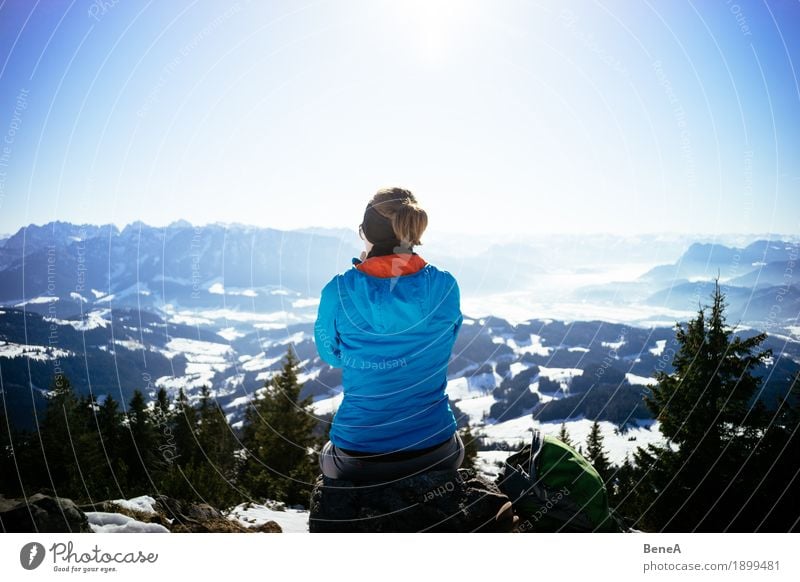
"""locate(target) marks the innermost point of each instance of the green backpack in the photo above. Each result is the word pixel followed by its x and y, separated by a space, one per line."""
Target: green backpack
pixel 554 489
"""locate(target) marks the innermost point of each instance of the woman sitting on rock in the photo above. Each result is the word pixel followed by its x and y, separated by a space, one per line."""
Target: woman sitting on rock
pixel 390 323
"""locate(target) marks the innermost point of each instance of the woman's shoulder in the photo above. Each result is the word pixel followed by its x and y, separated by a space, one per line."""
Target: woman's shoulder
pixel 443 274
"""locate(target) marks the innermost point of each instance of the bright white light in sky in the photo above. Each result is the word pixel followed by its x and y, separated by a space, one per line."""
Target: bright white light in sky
pixel 502 117
pixel 436 30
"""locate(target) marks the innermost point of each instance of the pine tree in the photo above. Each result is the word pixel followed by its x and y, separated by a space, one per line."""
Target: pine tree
pixel 214 470
pixel 62 426
pixel 563 435
pixel 184 429
pixel 707 398
pixel 622 482
pixel 140 450
pixel 774 463
pixel 180 474
pixel 9 481
pixel 162 402
pixel 95 461
pixel 109 428
pixel 162 419
pixel 704 412
pixel 470 449
pixel 596 454
pixel 281 450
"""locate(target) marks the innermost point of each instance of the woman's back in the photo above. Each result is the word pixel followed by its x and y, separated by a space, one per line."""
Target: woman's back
pixel 393 337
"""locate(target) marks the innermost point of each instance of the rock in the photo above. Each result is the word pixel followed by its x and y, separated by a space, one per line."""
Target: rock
pixel 435 501
pixel 42 513
pixel 267 527
pixel 203 512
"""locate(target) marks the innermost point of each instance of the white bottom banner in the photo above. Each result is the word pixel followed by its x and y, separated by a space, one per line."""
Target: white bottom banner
pixel 371 557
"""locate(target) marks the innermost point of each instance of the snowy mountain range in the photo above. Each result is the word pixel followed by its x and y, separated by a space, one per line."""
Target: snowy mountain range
pixel 183 306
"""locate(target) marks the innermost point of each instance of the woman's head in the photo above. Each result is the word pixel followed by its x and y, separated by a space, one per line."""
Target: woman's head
pixel 393 216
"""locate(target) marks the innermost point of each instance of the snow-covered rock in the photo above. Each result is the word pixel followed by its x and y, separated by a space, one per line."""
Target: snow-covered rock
pixel 104 522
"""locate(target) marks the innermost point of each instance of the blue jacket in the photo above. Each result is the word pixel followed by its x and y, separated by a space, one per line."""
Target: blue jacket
pixel 392 337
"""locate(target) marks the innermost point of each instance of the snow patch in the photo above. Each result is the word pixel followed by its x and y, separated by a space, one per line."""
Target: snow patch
pixel 132 345
pixel 252 515
pixel 613 345
pixel 306 376
pixel 517 432
pixel 259 362
pixel 93 320
pixel 659 349
pixel 460 389
pixel 639 380
pixel 477 409
pixel 517 368
pixel 270 326
pixel 38 300
pixel 143 503
pixel 219 289
pixel 198 348
pixel 104 522
pixel 39 353
pixel 230 334
pixel 561 375
pixel 327 405
pixel 78 297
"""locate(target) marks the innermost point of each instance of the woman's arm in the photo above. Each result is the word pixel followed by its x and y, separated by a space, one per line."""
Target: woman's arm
pixel 456 293
pixel 325 334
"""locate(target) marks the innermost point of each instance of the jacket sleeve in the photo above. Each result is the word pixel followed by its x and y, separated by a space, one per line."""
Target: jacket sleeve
pixel 326 335
pixel 457 300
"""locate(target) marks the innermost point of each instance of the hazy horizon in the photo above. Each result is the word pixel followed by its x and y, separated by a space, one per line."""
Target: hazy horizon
pixel 727 235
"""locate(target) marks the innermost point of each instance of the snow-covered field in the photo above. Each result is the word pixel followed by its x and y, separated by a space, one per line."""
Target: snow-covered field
pixel 640 380
pixel 477 409
pixel 41 353
pixel 516 432
pixel 532 346
pixel 92 320
pixel 470 387
pixel 253 318
pixel 204 360
pixel 327 405
pixel 517 307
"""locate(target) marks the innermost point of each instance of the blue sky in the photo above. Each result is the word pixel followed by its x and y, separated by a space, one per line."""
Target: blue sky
pixel 503 117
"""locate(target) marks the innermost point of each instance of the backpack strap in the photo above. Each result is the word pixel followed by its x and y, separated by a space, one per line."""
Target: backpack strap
pixel 537 441
pixel 530 471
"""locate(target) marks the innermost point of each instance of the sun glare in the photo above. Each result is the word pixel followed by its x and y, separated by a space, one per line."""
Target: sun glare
pixel 437 29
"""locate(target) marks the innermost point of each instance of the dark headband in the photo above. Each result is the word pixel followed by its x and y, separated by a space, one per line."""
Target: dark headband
pixel 377 228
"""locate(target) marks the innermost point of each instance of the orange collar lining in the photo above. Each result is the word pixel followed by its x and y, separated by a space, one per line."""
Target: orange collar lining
pixel 394 265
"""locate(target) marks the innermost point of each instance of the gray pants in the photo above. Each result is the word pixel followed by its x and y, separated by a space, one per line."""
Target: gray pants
pixel 336 464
